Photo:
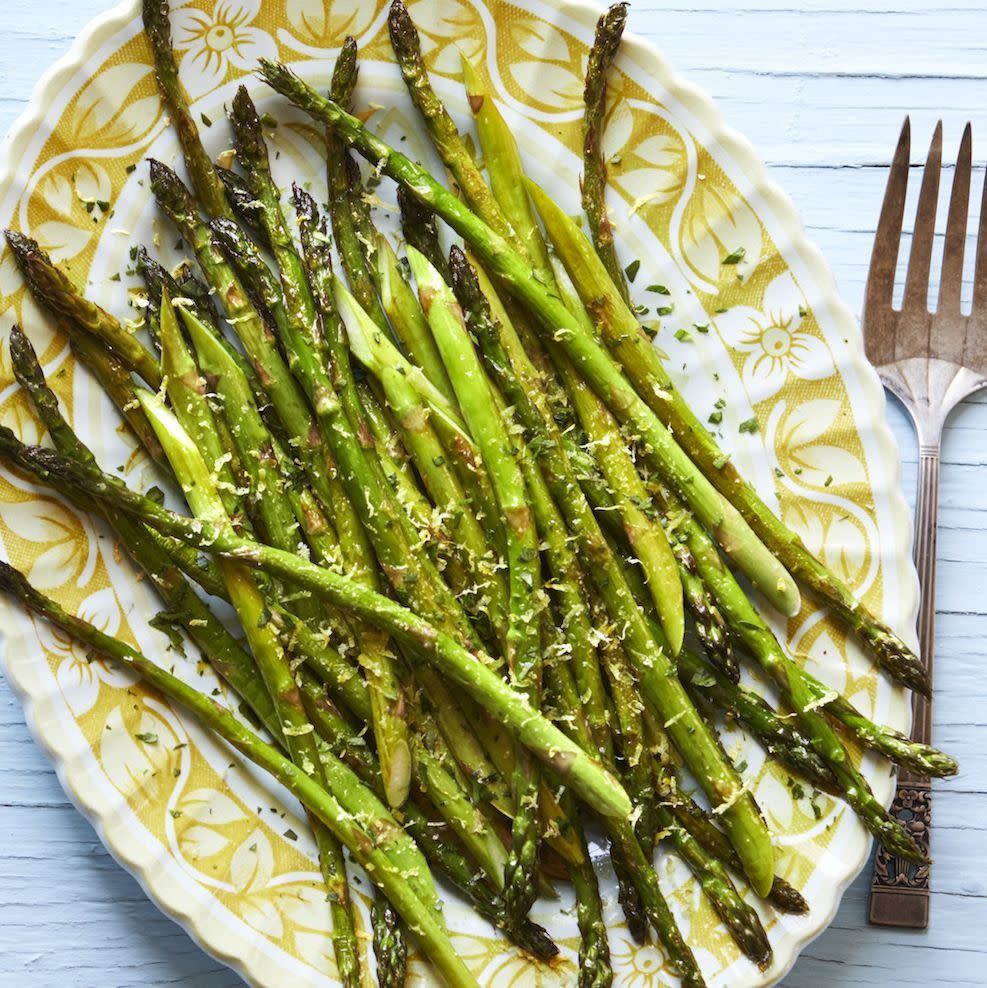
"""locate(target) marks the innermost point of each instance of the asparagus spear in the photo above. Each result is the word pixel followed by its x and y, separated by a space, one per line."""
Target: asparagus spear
pixel 420 231
pixel 784 897
pixel 54 290
pixel 216 499
pixel 758 638
pixel 688 730
pixel 447 139
pixel 157 30
pixel 245 207
pixel 587 354
pixel 324 805
pixel 523 561
pixel 609 29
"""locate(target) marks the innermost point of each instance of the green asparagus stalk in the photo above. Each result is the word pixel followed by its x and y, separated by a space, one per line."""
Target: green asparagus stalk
pixel 523 561
pixel 688 730
pixel 594 947
pixel 609 29
pixel 760 641
pixel 644 533
pixel 784 897
pixel 157 30
pixel 420 231
pixel 344 184
pixel 780 738
pixel 324 805
pixel 214 497
pixel 245 207
pixel 447 139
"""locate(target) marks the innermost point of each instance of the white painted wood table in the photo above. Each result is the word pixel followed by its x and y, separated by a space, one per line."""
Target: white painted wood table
pixel 820 89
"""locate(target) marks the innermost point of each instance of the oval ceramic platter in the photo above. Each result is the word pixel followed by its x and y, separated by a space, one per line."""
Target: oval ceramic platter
pixel 214 846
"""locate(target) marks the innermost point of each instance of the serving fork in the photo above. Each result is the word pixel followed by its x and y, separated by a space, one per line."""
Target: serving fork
pixel 930 360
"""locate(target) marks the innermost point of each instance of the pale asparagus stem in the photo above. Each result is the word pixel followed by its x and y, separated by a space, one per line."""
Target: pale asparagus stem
pixel 657 444
pixel 689 731
pixel 384 873
pixel 470 670
pixel 523 561
pixel 609 29
pixel 405 315
pixel 208 186
pixel 214 496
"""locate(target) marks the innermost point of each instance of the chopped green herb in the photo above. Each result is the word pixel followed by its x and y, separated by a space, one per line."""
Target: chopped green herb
pixel 735 257
pixel 665 310
pixel 658 289
pixel 149 737
pixel 749 425
pixel 205 120
pixel 716 417
pixel 632 269
pixel 683 335
pixel 828 481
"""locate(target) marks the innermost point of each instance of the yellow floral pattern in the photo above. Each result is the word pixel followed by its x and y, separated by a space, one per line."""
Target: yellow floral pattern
pixel 209 837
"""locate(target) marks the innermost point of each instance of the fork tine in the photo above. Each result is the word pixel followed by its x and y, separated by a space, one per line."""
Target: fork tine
pixel 920 257
pixel 980 272
pixel 951 283
pixel 884 257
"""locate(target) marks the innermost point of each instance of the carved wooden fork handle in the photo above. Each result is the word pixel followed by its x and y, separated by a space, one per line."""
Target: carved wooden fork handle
pixel 900 889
